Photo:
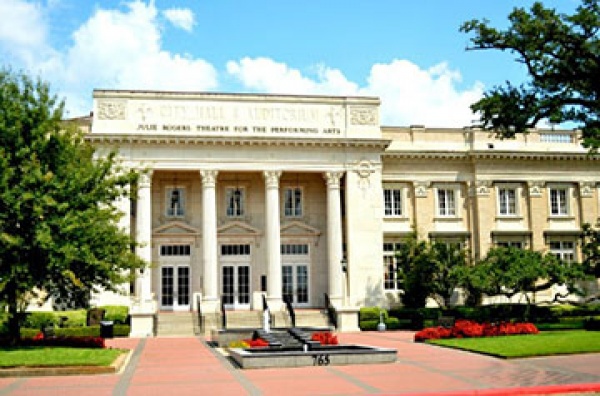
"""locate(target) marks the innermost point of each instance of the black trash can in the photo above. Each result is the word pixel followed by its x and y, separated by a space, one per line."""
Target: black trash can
pixel 107 329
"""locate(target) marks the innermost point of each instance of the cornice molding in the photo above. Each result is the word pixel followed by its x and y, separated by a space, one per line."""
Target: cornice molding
pixel 109 138
pixel 496 155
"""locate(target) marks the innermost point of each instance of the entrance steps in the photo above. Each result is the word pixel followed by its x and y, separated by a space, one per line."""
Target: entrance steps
pixel 175 324
pixel 254 319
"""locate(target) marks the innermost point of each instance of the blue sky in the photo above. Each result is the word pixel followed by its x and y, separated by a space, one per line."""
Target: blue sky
pixel 408 53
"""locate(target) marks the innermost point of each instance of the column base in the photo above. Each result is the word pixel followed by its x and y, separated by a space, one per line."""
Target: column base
pixel 347 319
pixel 143 318
pixel 337 301
pixel 275 304
pixel 210 305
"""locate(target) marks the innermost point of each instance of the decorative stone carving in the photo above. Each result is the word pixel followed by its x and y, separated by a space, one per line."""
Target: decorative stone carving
pixel 364 169
pixel 272 178
pixel 421 189
pixel 145 179
pixel 535 188
pixel 334 114
pixel 145 111
pixel 333 178
pixel 481 187
pixel 363 116
pixel 209 177
pixel 586 189
pixel 112 110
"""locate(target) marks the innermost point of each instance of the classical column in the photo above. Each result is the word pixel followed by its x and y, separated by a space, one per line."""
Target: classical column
pixel 334 237
pixel 143 228
pixel 209 236
pixel 273 239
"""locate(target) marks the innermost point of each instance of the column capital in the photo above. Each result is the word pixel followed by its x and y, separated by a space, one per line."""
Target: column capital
pixel 272 178
pixel 209 177
pixel 145 180
pixel 333 178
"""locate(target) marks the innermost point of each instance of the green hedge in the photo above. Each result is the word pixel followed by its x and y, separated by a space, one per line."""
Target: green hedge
pixel 592 324
pixel 390 324
pixel 372 313
pixel 82 331
pixel 119 314
pixel 547 317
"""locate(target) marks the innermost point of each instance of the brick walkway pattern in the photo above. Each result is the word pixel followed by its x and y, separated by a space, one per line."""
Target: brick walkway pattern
pixel 188 366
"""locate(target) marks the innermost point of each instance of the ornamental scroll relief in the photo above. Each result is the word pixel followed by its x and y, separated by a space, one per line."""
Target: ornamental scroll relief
pixel 586 189
pixel 112 110
pixel 363 116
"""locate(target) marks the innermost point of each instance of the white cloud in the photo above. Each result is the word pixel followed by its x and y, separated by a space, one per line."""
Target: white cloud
pixel 264 74
pixel 183 18
pixel 410 95
pixel 23 30
pixel 112 49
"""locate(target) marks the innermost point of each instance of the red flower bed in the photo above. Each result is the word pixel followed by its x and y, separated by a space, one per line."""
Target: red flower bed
pixel 257 343
pixel 325 338
pixel 467 328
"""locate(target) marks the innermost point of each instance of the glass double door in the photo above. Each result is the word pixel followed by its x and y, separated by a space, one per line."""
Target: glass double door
pixel 175 287
pixel 235 286
pixel 295 284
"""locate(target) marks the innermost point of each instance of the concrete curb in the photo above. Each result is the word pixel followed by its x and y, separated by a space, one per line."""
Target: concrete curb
pixel 116 367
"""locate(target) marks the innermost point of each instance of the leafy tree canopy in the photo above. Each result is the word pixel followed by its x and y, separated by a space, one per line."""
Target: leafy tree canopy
pixel 509 271
pixel 430 270
pixel 58 219
pixel 562 56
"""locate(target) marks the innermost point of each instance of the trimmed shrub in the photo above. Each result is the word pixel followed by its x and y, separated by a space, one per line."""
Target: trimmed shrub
pixel 367 325
pixel 592 324
pixel 372 313
pixel 37 320
pixel 119 314
pixel 72 342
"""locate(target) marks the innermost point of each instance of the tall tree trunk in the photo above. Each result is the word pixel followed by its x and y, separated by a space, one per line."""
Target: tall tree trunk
pixel 14 316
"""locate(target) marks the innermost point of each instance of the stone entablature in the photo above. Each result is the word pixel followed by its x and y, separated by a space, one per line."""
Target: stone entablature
pixel 242 116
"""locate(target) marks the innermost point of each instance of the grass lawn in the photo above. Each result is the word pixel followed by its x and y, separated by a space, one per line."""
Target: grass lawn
pixel 542 344
pixel 56 356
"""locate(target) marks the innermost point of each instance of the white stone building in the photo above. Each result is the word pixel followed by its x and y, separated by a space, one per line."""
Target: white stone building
pixel 246 195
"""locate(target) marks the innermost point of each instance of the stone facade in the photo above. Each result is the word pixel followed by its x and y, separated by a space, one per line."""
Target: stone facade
pixel 244 195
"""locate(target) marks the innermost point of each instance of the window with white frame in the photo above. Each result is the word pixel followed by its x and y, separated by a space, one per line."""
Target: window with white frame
pixel 559 200
pixel 175 202
pixel 390 266
pixel 235 201
pixel 563 249
pixel 446 201
pixel 292 202
pixel 392 199
pixel 507 201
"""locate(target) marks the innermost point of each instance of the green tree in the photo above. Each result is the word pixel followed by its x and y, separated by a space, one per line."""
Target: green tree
pixel 429 270
pixel 590 248
pixel 511 271
pixel 562 56
pixel 58 219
